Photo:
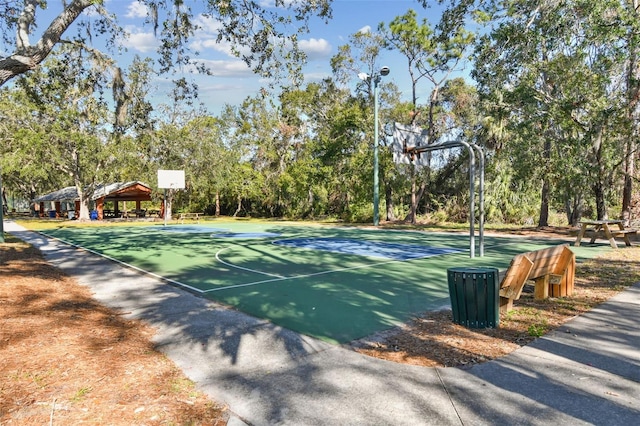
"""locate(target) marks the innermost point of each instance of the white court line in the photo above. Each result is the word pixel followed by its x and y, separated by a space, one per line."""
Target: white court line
pixel 128 265
pixel 275 279
pixel 280 278
pixel 231 265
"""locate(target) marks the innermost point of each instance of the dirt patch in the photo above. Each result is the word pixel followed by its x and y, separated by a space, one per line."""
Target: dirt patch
pixel 66 359
pixel 433 340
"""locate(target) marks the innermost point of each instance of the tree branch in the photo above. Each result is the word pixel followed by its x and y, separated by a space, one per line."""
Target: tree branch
pixel 27 57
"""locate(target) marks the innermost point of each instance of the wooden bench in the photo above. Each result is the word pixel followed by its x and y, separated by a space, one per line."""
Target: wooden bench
pixel 552 270
pixel 190 216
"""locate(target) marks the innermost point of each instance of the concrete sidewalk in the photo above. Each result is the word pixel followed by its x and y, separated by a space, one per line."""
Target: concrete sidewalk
pixel 587 372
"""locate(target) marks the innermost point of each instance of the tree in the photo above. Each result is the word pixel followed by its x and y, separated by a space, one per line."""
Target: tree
pixel 527 56
pixel 577 61
pixel 269 48
pixel 337 153
pixel 362 55
pixel 264 33
pixel 63 134
pixel 632 81
pixel 434 57
pixel 209 161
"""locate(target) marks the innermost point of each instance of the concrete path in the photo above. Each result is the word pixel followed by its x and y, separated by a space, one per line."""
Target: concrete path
pixel 587 372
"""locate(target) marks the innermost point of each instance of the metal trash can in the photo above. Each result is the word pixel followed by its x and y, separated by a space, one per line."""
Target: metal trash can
pixel 474 296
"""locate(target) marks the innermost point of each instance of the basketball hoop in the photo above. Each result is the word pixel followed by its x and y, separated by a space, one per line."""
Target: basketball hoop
pixel 405 141
pixel 411 146
pixel 170 179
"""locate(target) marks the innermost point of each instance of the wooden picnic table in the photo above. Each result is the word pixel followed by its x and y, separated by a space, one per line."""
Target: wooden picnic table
pixel 192 216
pixel 598 227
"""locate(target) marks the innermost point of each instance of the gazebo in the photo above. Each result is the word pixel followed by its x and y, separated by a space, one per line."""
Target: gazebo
pixel 115 192
pixel 61 201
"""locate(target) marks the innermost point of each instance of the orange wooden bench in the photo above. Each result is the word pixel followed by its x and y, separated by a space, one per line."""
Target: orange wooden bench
pixel 552 270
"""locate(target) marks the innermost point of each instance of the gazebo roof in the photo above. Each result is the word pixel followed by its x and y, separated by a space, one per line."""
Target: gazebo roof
pixel 118 191
pixel 123 191
pixel 70 193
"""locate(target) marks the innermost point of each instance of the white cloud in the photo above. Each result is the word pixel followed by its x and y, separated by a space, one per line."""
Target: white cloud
pixel 205 45
pixel 316 48
pixel 205 38
pixel 228 69
pixel 139 40
pixel 136 10
pixel 207 25
pixel 364 30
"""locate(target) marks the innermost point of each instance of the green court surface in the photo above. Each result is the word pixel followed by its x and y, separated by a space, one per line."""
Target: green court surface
pixel 333 283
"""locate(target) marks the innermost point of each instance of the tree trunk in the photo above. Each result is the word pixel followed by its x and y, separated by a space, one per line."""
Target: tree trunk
pixel 388 197
pixel 84 203
pixel 627 190
pixel 414 204
pixel 544 202
pixel 601 205
pixel 543 220
pixel 599 184
pixel 239 207
pixel 217 203
pixel 573 209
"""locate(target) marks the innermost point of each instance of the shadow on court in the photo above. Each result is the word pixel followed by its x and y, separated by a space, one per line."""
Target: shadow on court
pixel 334 284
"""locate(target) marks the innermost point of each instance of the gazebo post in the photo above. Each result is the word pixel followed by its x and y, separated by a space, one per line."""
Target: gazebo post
pixel 100 207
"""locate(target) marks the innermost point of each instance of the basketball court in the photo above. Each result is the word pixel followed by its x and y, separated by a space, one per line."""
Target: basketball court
pixel 333 283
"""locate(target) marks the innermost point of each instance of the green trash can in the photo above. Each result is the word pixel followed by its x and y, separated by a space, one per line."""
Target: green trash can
pixel 474 296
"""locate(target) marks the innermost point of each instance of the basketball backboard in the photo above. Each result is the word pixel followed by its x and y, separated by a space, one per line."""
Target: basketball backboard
pixel 171 179
pixel 405 140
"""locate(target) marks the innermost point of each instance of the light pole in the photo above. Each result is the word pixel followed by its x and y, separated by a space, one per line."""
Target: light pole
pixel 376 185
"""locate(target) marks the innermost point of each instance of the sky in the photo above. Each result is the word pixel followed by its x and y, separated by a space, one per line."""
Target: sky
pixel 232 81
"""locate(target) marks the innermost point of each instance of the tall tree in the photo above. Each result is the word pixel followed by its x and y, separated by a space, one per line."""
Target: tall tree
pixel 433 56
pixel 632 44
pixel 339 150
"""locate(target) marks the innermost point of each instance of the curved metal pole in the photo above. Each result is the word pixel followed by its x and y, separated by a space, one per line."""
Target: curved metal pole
pixel 481 197
pixel 472 205
pixel 472 172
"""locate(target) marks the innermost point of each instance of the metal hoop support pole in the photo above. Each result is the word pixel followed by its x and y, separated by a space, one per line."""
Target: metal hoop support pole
pixel 481 197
